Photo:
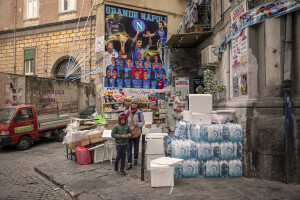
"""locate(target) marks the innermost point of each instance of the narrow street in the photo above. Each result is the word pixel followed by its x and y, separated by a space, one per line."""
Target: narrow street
pixel 18 180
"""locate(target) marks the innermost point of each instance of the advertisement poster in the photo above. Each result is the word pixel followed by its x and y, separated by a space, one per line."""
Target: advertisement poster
pixel 238 11
pixel 235 86
pixel 182 85
pixel 198 85
pixel 257 15
pixel 239 49
pixel 133 52
pixel 244 84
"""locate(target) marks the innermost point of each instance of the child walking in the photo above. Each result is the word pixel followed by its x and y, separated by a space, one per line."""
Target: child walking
pixel 121 132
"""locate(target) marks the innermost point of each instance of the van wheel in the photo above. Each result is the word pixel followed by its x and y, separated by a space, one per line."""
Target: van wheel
pixel 60 135
pixel 24 143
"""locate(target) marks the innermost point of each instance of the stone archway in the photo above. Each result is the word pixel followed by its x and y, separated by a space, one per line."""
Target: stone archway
pixel 59 68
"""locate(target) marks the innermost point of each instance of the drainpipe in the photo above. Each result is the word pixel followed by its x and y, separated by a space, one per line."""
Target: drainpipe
pixel 91 41
pixel 15 68
pixel 287 85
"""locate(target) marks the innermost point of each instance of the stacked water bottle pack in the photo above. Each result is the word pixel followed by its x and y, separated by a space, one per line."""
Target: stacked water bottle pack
pixel 213 150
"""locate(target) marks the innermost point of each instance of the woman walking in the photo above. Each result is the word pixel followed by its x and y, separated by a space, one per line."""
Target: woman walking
pixel 135 118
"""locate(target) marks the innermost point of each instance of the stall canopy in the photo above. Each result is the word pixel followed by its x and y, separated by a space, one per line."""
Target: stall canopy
pixel 188 40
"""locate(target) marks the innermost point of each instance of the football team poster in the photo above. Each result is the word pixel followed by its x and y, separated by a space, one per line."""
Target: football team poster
pixel 134 51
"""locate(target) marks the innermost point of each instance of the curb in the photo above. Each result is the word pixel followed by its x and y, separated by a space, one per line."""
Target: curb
pixel 62 186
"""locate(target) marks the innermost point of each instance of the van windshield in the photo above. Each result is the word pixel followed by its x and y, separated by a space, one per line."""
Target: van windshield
pixel 6 114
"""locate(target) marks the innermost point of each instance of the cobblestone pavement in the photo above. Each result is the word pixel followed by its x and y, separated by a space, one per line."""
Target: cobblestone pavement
pixel 18 180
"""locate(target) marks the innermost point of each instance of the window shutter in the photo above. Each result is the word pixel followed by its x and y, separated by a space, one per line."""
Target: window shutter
pixel 29 54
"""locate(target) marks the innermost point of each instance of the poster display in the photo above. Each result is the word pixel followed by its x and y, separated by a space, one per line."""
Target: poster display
pixel 198 82
pixel 182 85
pixel 244 84
pixel 134 49
pixel 257 15
pixel 239 49
pixel 235 86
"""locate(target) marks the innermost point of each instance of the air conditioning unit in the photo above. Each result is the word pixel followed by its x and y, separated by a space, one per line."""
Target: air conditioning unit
pixel 208 57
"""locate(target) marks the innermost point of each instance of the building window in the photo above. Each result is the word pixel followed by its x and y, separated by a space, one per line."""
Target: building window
pixel 29 61
pixel 67 5
pixel 32 9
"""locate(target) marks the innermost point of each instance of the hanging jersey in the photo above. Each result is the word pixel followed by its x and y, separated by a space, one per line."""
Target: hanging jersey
pixel 127 83
pixel 120 82
pixel 112 82
pixel 137 83
pixel 115 27
pixel 153 84
pixel 146 84
pixel 128 72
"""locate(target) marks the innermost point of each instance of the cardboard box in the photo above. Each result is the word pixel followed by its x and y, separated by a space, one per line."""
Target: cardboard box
pixel 110 124
pixel 148 125
pixel 91 139
pixel 73 145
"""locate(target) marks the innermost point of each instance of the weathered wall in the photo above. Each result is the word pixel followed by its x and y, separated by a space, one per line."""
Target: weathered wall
pixel 261 111
pixel 2 89
pixel 33 90
pixel 49 46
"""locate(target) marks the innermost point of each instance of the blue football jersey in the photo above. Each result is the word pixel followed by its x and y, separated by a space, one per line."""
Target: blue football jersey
pixel 161 71
pixel 127 71
pixel 146 84
pixel 153 84
pixel 112 82
pixel 111 69
pixel 154 71
pixel 120 82
pixel 162 34
pixel 120 68
pixel 106 81
pixel 149 72
pixel 165 82
pixel 137 83
pixel 127 83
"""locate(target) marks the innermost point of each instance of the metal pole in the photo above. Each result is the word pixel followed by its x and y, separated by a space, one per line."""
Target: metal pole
pixel 91 39
pixel 15 67
pixel 143 157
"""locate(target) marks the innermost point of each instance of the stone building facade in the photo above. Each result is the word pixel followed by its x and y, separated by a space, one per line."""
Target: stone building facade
pixel 40 43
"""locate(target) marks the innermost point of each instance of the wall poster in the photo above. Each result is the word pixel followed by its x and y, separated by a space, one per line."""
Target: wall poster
pixel 235 86
pixel 182 86
pixel 135 49
pixel 244 84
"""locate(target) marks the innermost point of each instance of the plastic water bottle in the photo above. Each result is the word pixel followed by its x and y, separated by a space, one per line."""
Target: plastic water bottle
pixel 190 168
pixel 174 148
pixel 212 168
pixel 193 150
pixel 201 168
pixel 192 132
pixel 239 151
pixel 214 133
pixel 216 150
pixel 224 168
pixel 181 130
pixel 178 171
pixel 235 168
pixel 227 151
pixel 203 133
pixel 225 133
pixel 204 151
pixel 237 133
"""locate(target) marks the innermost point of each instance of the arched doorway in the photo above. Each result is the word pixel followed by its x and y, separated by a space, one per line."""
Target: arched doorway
pixel 59 69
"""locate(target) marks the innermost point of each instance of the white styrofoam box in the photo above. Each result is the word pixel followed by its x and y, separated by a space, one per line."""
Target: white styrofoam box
pixel 200 118
pixel 200 103
pixel 186 115
pixel 155 130
pixel 145 130
pixel 161 175
pixel 148 116
pixel 155 145
pixel 150 157
pixel 167 161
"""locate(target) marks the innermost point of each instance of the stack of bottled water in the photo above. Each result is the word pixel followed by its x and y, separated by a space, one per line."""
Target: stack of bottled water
pixel 213 150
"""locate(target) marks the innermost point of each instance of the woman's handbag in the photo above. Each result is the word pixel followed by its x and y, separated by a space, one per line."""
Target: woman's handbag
pixel 133 129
